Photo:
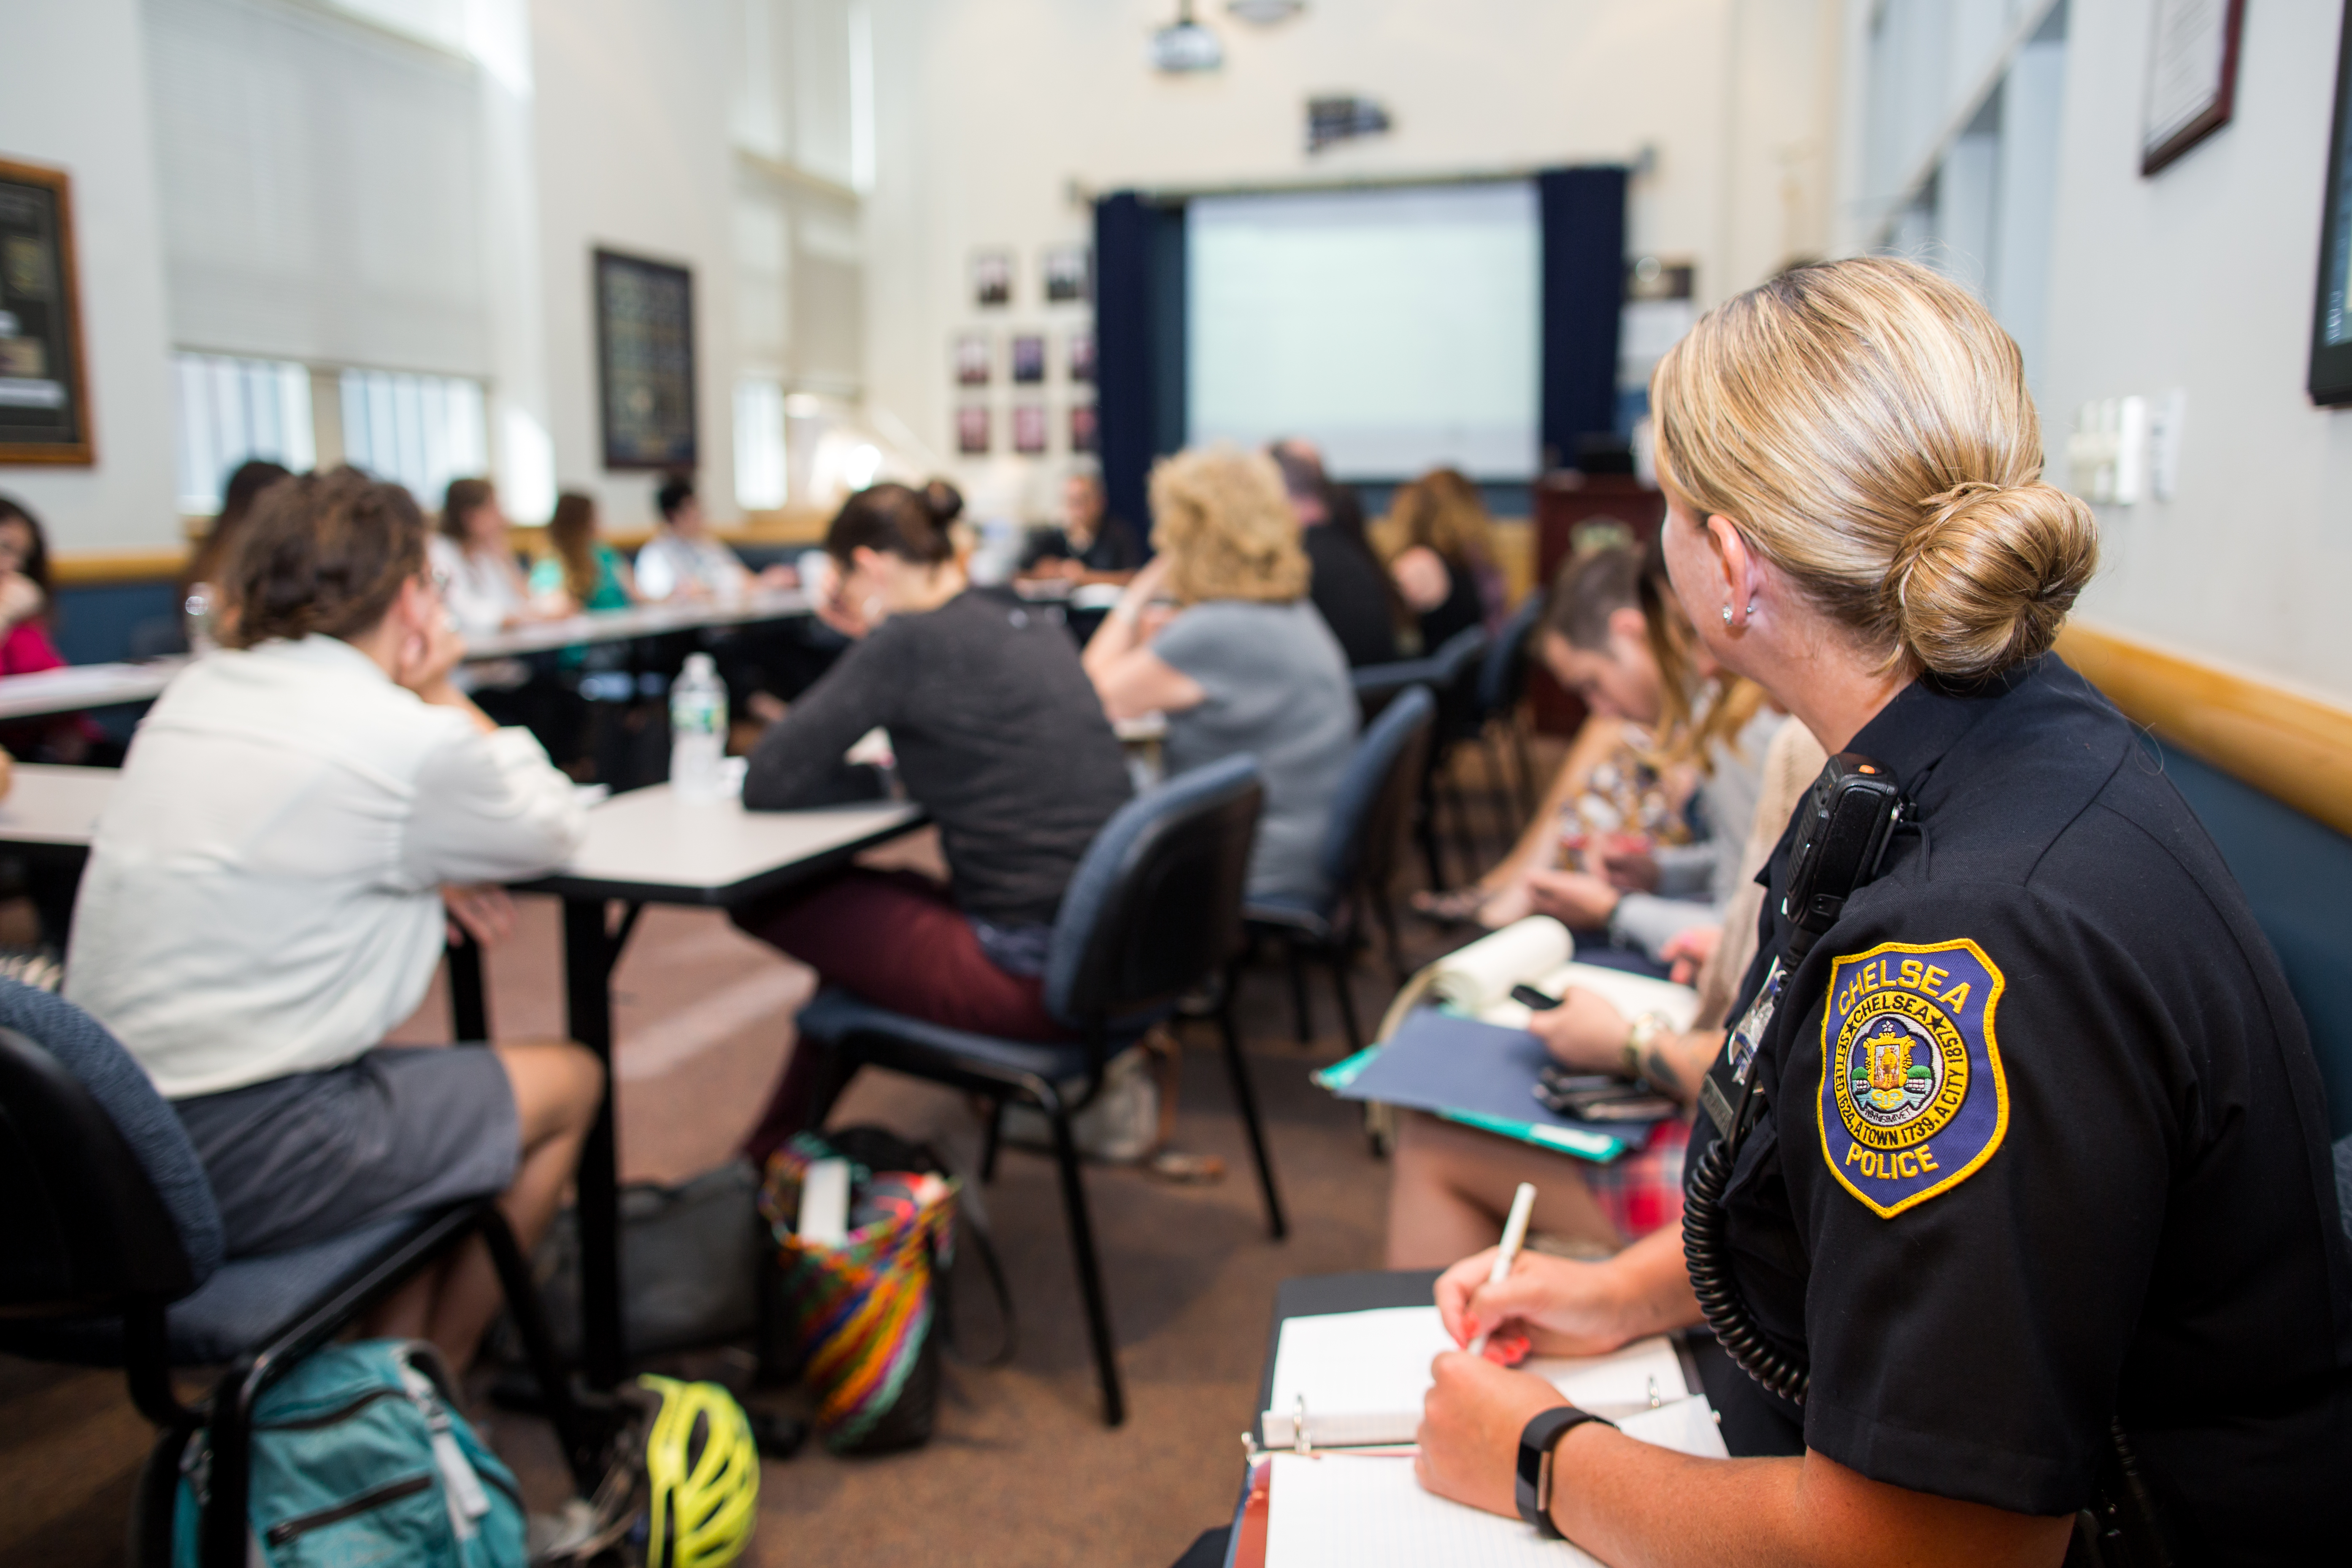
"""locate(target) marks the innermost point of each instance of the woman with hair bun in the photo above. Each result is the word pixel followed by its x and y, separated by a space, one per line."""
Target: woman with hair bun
pixel 984 702
pixel 2011 1198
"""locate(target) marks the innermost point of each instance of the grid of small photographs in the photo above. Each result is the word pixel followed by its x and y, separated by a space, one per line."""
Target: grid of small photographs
pixel 1049 367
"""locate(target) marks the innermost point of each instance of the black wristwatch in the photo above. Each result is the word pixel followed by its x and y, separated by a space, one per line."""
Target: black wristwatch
pixel 1533 1483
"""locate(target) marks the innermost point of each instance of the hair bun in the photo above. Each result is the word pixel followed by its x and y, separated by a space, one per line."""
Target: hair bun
pixel 1986 579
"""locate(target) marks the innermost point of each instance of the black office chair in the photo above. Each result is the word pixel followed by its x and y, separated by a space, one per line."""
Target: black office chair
pixel 111 1255
pixel 1502 688
pixel 1154 911
pixel 1451 674
pixel 1369 818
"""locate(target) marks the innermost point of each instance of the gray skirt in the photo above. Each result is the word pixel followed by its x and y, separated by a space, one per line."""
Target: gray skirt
pixel 313 1156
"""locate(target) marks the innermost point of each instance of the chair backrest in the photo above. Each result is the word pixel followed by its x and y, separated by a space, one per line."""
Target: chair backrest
pixel 1454 678
pixel 102 1196
pixel 1504 674
pixel 1155 906
pixel 1375 795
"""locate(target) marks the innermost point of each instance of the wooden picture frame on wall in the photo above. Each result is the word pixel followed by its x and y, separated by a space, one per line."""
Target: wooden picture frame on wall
pixel 2330 382
pixel 45 415
pixel 2192 77
pixel 644 362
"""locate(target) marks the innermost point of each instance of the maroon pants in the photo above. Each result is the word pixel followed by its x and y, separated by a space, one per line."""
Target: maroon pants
pixel 895 940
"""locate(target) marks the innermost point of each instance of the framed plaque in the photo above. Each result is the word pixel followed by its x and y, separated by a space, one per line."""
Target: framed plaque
pixel 2192 77
pixel 645 361
pixel 2331 326
pixel 43 393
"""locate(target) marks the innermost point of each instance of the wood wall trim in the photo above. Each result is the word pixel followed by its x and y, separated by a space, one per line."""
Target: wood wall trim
pixel 2296 748
pixel 102 568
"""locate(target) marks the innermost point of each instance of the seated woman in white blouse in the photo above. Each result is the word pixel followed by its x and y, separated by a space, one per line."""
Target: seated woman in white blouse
pixel 482 578
pixel 264 902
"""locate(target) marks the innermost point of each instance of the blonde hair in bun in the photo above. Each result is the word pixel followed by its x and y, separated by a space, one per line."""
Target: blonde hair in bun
pixel 1867 425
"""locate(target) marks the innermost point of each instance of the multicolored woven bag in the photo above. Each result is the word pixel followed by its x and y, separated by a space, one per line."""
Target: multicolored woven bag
pixel 863 1314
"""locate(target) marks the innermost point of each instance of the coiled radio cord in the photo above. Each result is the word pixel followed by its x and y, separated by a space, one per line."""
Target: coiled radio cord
pixel 1736 1330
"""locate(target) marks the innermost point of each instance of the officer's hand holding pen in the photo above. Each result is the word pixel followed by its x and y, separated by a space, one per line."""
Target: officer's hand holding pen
pixel 1550 1305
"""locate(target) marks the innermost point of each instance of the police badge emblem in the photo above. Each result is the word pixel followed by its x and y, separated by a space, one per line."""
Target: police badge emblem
pixel 1913 1100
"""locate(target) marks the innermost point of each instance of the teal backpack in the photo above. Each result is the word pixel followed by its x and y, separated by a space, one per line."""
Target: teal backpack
pixel 359 1457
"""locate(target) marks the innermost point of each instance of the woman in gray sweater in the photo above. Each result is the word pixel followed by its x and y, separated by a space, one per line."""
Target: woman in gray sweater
pixel 1246 664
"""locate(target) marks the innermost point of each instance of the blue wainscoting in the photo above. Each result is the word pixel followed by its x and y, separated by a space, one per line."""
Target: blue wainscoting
pixel 2298 877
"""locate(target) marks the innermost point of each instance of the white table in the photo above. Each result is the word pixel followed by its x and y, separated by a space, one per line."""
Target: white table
pixel 78 686
pixel 649 846
pixel 639 621
pixel 55 808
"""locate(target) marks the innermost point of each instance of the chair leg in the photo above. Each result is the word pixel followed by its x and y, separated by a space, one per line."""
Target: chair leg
pixel 1237 1068
pixel 1340 969
pixel 581 1451
pixel 1384 907
pixel 1533 795
pixel 223 1533
pixel 1082 1243
pixel 990 1140
pixel 1301 1009
pixel 1424 829
pixel 1503 790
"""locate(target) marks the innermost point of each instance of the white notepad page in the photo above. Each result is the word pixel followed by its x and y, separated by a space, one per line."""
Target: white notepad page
pixel 1346 1510
pixel 1364 1376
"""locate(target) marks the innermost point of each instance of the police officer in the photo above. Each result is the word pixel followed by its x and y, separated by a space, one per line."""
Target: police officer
pixel 2021 1202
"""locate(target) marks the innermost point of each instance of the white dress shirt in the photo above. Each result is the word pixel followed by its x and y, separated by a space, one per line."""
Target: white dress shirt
pixel 668 561
pixel 262 895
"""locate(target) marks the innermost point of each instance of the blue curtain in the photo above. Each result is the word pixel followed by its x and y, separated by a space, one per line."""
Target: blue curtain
pixel 1583 217
pixel 1139 345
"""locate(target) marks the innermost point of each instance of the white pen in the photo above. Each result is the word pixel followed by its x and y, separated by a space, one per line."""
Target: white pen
pixel 1515 1233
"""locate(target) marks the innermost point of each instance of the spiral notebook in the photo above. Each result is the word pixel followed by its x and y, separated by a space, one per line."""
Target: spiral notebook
pixel 1359 1377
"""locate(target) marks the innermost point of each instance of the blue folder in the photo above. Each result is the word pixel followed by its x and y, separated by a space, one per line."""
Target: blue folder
pixel 1480 1075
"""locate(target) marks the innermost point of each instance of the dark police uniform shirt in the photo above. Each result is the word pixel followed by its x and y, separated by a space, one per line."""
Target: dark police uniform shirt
pixel 2047 1147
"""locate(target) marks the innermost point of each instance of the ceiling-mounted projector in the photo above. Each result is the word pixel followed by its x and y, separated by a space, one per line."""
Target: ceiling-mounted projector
pixel 1185 44
pixel 1265 13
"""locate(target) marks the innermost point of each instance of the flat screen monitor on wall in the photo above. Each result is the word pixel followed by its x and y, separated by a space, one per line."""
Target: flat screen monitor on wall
pixel 1398 329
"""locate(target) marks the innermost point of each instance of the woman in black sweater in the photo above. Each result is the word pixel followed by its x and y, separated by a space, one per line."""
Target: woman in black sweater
pixel 998 735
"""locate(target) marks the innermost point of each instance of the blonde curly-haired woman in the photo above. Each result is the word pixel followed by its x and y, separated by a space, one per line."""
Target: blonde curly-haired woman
pixel 1243 662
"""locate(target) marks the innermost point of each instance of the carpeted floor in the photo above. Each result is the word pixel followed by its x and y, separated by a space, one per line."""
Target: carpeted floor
pixel 1021 1471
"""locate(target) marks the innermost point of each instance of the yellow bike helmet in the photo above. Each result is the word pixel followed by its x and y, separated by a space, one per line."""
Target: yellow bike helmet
pixel 702 1475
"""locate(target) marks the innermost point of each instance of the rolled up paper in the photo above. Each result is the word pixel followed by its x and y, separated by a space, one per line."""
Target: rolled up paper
pixel 1482 974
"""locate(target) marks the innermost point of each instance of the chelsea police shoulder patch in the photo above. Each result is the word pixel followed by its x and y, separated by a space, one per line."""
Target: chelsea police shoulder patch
pixel 1913 1100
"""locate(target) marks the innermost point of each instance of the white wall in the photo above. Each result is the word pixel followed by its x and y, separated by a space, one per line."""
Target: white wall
pixel 987 111
pixel 635 152
pixel 2202 278
pixel 73 95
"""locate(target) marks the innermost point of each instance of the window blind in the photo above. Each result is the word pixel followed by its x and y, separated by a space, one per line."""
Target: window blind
pixel 320 193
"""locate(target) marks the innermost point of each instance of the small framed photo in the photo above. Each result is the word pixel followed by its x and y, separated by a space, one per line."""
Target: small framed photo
pixel 1082 428
pixel 992 279
pixel 1069 274
pixel 2192 77
pixel 973 433
pixel 1028 359
pixel 1029 429
pixel 1082 355
pixel 972 359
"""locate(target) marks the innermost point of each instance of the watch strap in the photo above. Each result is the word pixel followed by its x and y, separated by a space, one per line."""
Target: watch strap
pixel 1537 1440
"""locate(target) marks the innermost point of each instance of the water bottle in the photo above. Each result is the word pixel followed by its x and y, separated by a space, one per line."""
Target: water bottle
pixel 697 727
pixel 197 618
